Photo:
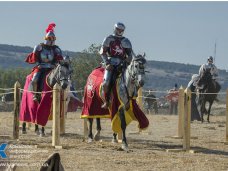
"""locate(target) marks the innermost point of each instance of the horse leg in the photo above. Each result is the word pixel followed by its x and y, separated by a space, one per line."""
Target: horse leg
pixel 90 133
pixel 114 140
pixel 97 134
pixel 37 129
pixel 208 112
pixel 123 127
pixel 202 111
pixel 42 132
pixel 24 128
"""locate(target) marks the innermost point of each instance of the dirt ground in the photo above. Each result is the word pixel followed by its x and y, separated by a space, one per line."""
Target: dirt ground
pixel 147 149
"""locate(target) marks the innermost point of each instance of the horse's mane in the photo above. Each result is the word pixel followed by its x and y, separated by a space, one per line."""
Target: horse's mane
pixel 139 58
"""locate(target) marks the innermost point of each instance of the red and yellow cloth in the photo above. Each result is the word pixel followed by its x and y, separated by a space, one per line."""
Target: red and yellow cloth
pixel 32 111
pixel 92 104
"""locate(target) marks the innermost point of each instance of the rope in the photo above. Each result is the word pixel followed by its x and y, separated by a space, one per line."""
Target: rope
pixel 178 91
pixel 6 88
pixel 148 97
pixel 6 93
pixel 76 91
pixel 35 91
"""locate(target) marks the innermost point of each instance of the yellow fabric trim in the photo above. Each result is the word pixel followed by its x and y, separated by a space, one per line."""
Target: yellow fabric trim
pixel 95 116
pixel 47 81
pixel 129 115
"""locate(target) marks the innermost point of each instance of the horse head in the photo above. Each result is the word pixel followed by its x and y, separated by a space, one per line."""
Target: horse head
pixel 61 73
pixel 205 79
pixel 136 70
pixel 135 73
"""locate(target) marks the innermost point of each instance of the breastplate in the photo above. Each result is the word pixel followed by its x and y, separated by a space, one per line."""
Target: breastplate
pixel 116 49
pixel 46 55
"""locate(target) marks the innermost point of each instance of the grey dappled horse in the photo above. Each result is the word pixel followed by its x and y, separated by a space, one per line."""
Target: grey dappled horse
pixel 60 75
pixel 130 81
pixel 210 86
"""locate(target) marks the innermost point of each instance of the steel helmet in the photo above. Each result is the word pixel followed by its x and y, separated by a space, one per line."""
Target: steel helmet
pixel 50 36
pixel 119 29
pixel 210 59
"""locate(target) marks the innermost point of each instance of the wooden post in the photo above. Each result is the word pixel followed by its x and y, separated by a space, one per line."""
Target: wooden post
pixel 226 117
pixel 187 119
pixel 139 98
pixel 180 112
pixel 56 116
pixel 17 99
pixel 64 110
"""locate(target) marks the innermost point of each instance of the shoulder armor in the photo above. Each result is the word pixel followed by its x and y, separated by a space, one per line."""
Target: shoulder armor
pixel 107 40
pixel 37 48
pixel 126 43
pixel 57 50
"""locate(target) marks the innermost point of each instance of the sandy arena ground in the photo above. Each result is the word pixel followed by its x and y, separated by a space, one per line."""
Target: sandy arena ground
pixel 147 149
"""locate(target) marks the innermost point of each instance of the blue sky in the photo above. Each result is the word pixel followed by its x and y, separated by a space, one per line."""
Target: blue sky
pixel 183 32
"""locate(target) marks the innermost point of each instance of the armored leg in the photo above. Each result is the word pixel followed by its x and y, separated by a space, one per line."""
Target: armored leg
pixel 106 88
pixel 34 83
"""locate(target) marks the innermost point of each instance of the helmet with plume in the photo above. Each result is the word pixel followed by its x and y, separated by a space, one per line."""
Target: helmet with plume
pixel 50 36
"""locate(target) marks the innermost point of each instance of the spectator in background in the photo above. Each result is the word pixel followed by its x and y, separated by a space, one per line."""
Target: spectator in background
pixel 173 99
pixel 192 86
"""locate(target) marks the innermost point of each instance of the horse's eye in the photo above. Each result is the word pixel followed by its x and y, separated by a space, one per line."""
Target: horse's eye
pixel 136 66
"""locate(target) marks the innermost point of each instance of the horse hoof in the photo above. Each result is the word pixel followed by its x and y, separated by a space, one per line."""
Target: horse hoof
pixel 37 132
pixel 90 140
pixel 125 147
pixel 114 141
pixel 42 134
pixel 97 136
pixel 24 132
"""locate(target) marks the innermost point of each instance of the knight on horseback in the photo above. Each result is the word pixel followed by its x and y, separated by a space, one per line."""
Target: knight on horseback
pixel 46 55
pixel 211 67
pixel 115 49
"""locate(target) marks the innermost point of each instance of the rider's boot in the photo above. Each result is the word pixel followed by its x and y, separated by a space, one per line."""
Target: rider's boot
pixel 35 98
pixel 106 102
pixel 106 96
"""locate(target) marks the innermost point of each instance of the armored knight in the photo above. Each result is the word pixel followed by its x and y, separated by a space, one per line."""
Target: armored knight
pixel 209 65
pixel 46 55
pixel 115 49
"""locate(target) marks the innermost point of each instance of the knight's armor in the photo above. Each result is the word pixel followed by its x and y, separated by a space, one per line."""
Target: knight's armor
pixel 46 58
pixel 115 49
pixel 213 70
pixel 45 55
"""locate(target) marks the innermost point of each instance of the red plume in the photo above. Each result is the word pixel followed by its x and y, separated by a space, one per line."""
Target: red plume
pixel 50 27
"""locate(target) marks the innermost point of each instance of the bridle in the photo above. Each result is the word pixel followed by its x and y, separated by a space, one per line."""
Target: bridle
pixel 58 75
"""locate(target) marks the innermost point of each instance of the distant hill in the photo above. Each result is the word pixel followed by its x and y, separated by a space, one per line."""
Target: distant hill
pixel 13 56
pixel 161 76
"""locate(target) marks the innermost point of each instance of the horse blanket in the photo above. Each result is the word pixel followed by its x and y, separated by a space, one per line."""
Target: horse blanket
pixel 32 111
pixel 93 101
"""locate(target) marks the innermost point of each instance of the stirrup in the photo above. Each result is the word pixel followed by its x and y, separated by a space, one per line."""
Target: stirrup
pixel 105 105
pixel 35 97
